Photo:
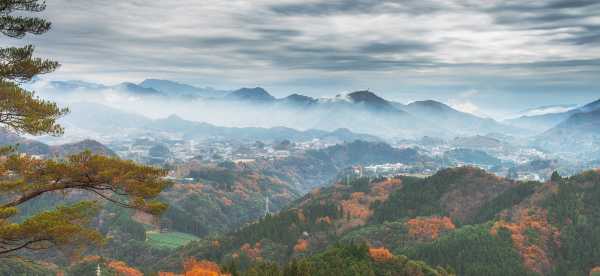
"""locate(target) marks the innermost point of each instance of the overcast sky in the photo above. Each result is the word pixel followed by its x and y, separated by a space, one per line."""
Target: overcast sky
pixel 465 52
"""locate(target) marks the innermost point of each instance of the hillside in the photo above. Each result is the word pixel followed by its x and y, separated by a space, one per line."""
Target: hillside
pixel 501 226
pixel 223 196
pixel 316 168
pixel 33 147
pixel 200 131
pixel 578 134
pixel 459 122
pixel 545 122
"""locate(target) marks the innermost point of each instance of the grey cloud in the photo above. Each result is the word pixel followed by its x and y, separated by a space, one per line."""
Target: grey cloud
pixel 355 6
pixel 298 41
pixel 394 47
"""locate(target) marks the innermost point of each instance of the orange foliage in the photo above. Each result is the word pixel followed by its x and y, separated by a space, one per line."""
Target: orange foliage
pixel 595 271
pixel 301 246
pixel 325 219
pixel 357 196
pixel 356 206
pixel 533 252
pixel 194 267
pixel 123 270
pixel 429 228
pixel 166 274
pixel 380 254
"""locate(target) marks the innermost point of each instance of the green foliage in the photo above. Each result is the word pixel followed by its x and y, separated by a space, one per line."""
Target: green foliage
pixel 221 178
pixel 575 209
pixel 65 225
pixel 555 177
pixel 346 260
pixel 418 197
pixel 169 240
pixel 19 267
pixel 424 197
pixel 505 200
pixel 361 152
pixel 472 250
pixel 22 111
pixel 287 226
pixel 184 221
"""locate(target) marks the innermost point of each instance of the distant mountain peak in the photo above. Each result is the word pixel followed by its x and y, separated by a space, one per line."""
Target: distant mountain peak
pixel 431 104
pixel 174 117
pixel 252 94
pixel 593 106
pixel 136 89
pixel 173 88
pixel 299 99
pixel 370 99
pixel 365 96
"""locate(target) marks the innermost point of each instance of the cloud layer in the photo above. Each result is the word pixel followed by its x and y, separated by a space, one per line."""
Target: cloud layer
pixel 321 45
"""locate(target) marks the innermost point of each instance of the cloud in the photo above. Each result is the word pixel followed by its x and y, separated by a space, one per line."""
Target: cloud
pixel 470 43
pixel 465 106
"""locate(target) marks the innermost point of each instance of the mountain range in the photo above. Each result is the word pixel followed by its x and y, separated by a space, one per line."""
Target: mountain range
pixel 360 111
pixel 547 121
pixel 578 135
pixel 100 120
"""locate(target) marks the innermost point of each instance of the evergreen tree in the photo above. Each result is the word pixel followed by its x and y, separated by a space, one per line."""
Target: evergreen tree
pixel 23 178
pixel 555 177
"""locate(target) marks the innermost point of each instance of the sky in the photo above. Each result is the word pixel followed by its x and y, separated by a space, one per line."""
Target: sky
pixel 481 56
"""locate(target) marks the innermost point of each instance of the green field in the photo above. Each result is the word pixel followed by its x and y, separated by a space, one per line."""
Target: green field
pixel 169 239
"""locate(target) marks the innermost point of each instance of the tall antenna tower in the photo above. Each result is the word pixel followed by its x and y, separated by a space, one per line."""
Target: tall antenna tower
pixel 267 211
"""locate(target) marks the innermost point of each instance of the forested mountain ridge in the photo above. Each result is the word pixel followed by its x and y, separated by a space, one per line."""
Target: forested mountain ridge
pixel 28 146
pixel 503 227
pixel 545 122
pixel 579 134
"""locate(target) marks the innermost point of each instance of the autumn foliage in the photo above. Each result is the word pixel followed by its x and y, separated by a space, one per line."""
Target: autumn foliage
pixel 194 267
pixel 253 252
pixel 380 254
pixel 595 271
pixel 301 246
pixel 531 234
pixel 429 228
pixel 122 269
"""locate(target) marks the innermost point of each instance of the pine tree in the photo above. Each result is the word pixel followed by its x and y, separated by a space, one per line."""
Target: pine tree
pixel 23 178
pixel 555 177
